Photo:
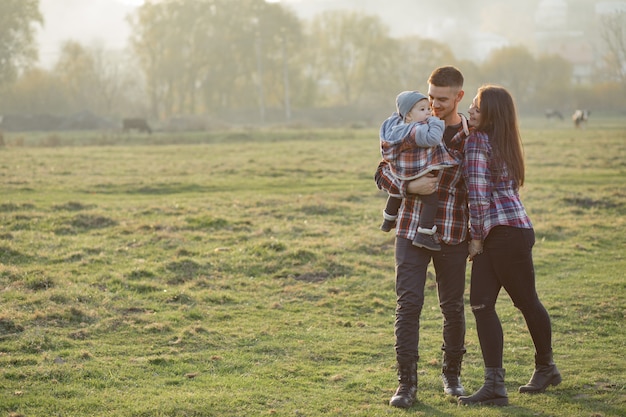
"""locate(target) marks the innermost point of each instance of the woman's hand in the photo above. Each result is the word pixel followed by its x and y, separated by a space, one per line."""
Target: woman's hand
pixel 424 185
pixel 475 248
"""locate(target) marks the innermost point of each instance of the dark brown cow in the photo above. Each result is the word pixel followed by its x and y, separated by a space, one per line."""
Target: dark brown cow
pixel 550 113
pixel 138 124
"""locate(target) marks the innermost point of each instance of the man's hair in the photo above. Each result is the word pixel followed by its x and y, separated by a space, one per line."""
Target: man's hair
pixel 447 76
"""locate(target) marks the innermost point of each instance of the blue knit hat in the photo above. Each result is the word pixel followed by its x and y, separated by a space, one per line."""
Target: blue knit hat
pixel 406 100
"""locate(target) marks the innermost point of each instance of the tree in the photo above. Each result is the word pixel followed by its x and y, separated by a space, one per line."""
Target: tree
pixel 93 79
pixel 512 67
pixel 210 55
pixel 36 91
pixel 18 19
pixel 111 80
pixel 350 48
pixel 613 34
pixel 417 58
pixel 76 70
pixel 149 43
pixel 280 35
pixel 553 84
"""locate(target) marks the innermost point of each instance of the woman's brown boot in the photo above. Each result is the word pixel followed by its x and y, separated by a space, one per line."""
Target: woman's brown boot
pixel 545 375
pixel 493 391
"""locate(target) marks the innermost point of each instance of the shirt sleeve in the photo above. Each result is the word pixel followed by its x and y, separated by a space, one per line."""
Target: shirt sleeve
pixel 386 181
pixel 477 177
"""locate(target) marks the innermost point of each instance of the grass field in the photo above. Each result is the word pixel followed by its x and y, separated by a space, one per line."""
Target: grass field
pixel 242 273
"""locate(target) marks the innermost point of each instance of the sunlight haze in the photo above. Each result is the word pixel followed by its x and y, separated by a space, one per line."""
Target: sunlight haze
pixel 483 26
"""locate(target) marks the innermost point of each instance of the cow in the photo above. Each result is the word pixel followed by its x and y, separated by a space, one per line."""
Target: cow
pixel 580 118
pixel 550 113
pixel 138 124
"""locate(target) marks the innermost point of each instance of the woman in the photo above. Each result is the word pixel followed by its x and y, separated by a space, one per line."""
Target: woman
pixel 501 246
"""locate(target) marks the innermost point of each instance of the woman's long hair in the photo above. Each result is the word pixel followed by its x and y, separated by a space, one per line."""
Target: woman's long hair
pixel 498 118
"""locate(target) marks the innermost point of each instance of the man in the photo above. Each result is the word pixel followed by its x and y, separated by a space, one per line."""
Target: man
pixel 445 91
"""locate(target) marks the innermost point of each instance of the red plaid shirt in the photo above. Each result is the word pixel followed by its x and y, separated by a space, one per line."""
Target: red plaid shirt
pixel 452 212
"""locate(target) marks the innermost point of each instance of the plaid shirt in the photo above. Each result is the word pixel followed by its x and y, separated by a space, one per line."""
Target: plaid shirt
pixel 452 213
pixel 414 149
pixel 493 199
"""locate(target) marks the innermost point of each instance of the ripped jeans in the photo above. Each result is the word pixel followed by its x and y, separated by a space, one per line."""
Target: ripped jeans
pixel 507 262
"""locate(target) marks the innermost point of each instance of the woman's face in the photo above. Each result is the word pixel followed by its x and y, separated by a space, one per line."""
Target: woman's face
pixel 474 112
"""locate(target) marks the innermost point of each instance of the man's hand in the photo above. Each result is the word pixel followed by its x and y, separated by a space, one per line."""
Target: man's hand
pixel 423 185
pixel 475 248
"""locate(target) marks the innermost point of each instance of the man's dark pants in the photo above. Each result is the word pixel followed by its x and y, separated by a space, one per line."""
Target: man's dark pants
pixel 411 266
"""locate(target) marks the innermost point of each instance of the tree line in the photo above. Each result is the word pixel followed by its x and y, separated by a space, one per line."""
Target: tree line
pixel 249 57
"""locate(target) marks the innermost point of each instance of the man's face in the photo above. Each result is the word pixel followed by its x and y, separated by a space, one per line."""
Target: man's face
pixel 444 100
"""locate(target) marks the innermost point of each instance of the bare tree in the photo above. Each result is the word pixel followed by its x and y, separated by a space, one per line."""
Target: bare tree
pixel 613 32
pixel 75 69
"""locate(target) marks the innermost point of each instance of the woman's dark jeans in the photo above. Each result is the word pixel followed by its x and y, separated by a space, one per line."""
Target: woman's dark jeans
pixel 507 262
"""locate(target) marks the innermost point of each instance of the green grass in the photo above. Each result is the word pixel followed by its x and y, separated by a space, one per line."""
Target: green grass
pixel 242 273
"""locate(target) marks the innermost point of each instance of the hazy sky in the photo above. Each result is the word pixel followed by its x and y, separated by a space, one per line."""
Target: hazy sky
pixel 104 22
pixel 87 21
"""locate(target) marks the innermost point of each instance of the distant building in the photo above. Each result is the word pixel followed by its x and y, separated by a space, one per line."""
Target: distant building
pixel 551 16
pixel 608 7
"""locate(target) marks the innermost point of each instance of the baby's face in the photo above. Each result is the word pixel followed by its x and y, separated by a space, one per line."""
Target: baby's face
pixel 420 112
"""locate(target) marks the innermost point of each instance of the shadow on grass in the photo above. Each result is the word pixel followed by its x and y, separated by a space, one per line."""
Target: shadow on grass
pixel 590 203
pixel 9 207
pixel 154 189
pixel 184 270
pixel 73 206
pixel 10 256
pixel 8 326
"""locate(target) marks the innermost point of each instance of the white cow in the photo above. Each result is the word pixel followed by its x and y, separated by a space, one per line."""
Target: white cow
pixel 580 118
